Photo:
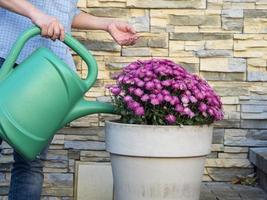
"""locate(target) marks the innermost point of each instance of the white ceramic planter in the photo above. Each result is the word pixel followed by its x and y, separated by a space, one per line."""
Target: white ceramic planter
pixel 157 162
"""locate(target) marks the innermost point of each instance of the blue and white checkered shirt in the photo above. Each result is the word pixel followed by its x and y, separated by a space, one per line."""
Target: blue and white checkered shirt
pixel 12 25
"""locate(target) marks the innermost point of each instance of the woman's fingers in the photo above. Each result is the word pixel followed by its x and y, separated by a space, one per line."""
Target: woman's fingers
pixel 50 32
pixel 51 28
pixel 44 31
pixel 62 32
pixel 131 29
pixel 56 32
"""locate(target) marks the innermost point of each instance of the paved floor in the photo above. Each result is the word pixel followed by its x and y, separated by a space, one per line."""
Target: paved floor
pixel 226 191
pixel 211 191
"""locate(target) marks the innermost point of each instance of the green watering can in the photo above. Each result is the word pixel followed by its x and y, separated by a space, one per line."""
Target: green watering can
pixel 43 94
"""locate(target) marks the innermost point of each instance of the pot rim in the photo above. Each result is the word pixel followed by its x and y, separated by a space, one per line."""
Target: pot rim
pixel 115 122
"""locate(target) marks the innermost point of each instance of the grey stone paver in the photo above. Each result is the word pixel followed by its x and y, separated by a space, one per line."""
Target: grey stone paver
pixel 227 191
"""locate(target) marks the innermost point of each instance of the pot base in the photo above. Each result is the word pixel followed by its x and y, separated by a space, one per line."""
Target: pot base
pixel 143 178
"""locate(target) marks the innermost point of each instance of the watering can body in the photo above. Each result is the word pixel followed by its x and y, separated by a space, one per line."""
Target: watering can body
pixel 41 95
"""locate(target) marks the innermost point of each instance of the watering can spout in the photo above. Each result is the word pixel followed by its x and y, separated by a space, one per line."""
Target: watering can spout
pixel 84 108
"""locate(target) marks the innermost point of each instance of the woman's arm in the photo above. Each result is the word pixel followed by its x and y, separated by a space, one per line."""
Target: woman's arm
pixel 122 33
pixel 87 21
pixel 49 25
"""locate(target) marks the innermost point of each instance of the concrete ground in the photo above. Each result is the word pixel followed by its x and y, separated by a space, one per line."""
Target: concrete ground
pixel 227 191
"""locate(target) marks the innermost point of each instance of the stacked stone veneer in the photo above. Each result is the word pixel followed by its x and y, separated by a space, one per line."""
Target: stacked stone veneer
pixel 224 41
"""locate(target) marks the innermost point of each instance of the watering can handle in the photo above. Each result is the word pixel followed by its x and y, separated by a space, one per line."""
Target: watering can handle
pixel 69 41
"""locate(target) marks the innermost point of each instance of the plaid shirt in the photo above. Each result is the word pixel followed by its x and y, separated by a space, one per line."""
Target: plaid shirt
pixel 12 25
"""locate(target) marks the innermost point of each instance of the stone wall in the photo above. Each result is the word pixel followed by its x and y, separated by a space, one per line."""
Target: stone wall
pixel 224 41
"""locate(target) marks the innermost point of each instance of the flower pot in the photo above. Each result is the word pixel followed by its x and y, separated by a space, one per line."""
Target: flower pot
pixel 157 162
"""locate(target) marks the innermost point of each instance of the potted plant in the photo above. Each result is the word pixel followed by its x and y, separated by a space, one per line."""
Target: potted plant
pixel 158 147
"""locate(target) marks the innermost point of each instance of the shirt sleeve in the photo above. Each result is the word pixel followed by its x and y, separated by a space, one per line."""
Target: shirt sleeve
pixel 75 12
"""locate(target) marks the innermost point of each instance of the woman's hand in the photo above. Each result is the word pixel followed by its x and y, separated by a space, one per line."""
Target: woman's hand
pixel 122 33
pixel 50 26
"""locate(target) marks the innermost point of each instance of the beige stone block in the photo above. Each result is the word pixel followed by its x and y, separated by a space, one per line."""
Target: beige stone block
pixel 93 181
pixel 223 64
pixel 158 24
pixel 79 35
pixel 188 60
pixel 160 14
pixel 244 36
pixel 176 46
pixel 82 138
pixel 153 40
pixel 181 53
pixel 120 59
pixel 230 100
pixel 195 20
pixel 95 94
pixel 228 163
pixel 103 74
pixel 118 62
pixel 240 5
pixel 261 6
pixel 54 191
pixel 212 29
pixel 194 45
pixel 105 53
pixel 228 149
pixel 226 5
pixel 54 170
pixel 251 53
pixel 87 121
pixel 231 133
pixel 215 4
pixel 56 146
pixel 99 36
pixel 101 67
pixel 261 2
pixel 219 44
pixel 233 155
pixel 168 19
pixel 232 115
pixel 257 62
pixel 159 52
pixel 230 108
pixel 186 29
pixel 212 12
pixel 144 52
pixel 102 154
pixel 257 69
pixel 137 12
pixel 233 89
pixel 255 25
pixel 227 175
pixel 242 45
pixel 133 52
pixel 164 13
pixel 167 3
pixel 139 19
pixel 109 12
pixel 217 147
pixel 223 76
pixel 58 139
pixel 95 156
pixel 106 3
